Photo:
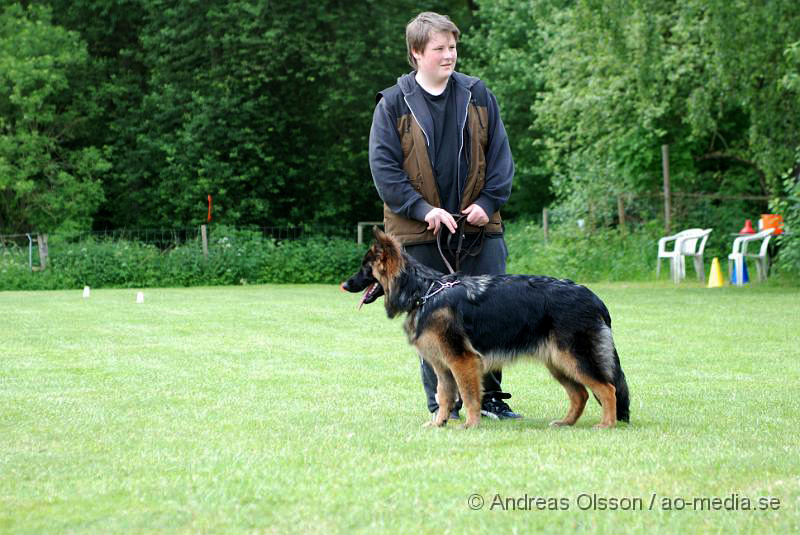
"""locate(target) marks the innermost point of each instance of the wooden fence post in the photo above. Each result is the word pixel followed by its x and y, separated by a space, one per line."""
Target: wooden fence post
pixel 42 239
pixel 204 236
pixel 667 203
pixel 30 253
pixel 360 229
pixel 621 214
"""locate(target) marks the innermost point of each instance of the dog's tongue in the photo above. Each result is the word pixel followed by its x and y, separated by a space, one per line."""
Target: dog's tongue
pixel 366 294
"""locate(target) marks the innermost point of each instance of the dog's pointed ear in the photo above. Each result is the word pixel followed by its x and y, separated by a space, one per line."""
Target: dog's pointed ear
pixel 383 240
pixel 386 245
pixel 376 232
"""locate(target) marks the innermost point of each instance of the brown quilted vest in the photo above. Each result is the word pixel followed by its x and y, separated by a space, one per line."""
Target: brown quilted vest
pixel 417 165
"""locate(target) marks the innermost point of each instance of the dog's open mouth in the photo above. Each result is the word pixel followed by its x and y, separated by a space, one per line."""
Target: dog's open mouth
pixel 369 295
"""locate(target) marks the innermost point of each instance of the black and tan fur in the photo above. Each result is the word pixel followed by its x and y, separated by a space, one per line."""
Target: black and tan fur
pixel 485 322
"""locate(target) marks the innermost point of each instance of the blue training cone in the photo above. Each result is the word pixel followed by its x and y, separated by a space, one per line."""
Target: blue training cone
pixel 745 276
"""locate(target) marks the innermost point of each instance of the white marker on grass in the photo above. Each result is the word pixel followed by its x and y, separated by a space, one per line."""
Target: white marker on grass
pixel 85 292
pixel 139 298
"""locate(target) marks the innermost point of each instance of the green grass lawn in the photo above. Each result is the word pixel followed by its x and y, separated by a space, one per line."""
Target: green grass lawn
pixel 273 409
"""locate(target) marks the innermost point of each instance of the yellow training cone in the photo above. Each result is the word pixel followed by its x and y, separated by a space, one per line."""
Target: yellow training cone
pixel 715 279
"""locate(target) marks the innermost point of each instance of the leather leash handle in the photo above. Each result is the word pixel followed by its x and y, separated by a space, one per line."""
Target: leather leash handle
pixel 441 253
pixel 461 220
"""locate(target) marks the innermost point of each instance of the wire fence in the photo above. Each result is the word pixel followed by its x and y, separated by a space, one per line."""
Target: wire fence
pixel 696 210
pixel 166 238
pixel 34 248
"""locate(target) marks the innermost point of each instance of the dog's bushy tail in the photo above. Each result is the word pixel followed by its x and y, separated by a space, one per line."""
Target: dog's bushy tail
pixel 623 397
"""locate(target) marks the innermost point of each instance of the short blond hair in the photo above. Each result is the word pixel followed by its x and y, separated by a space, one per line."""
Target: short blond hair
pixel 418 31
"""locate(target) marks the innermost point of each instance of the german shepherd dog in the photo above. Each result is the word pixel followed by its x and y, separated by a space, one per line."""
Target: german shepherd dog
pixel 464 326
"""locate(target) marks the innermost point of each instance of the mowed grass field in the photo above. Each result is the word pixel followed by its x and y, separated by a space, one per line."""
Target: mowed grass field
pixel 284 409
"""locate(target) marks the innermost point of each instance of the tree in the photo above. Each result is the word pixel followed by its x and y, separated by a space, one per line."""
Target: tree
pixel 624 77
pixel 789 207
pixel 115 80
pixel 505 49
pixel 264 105
pixel 48 179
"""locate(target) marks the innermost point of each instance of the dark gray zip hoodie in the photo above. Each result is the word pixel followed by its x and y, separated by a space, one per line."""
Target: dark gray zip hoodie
pixel 386 153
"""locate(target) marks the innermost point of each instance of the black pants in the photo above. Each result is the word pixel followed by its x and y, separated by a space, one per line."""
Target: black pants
pixel 490 261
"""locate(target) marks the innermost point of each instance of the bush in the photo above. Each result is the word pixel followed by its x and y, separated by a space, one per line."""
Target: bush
pixel 14 273
pixel 789 260
pixel 105 264
pixel 605 254
pixel 242 257
pixel 609 255
pixel 234 257
pixel 313 260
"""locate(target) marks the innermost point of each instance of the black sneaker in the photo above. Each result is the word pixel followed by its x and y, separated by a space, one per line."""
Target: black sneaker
pixel 498 409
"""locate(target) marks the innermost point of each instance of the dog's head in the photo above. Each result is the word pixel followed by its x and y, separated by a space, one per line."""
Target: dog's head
pixel 382 263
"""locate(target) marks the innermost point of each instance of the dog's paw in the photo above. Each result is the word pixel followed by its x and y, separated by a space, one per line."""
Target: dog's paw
pixel 434 423
pixel 560 423
pixel 468 426
pixel 603 426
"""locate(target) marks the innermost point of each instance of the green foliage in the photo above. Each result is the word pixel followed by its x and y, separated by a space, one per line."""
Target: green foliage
pixel 593 89
pixel 789 259
pixel 789 207
pixel 239 257
pixel 313 260
pixel 119 113
pixel 265 106
pixel 589 96
pixel 504 48
pixel 569 252
pixel 105 264
pixel 234 257
pixel 608 255
pixel 49 180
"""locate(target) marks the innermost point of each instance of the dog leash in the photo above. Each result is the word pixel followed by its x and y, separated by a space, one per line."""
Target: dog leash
pixel 461 252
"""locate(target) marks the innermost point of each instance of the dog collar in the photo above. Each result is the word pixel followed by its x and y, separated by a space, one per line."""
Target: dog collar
pixel 431 292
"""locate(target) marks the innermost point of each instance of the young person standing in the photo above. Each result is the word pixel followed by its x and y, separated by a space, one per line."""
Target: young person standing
pixel 441 163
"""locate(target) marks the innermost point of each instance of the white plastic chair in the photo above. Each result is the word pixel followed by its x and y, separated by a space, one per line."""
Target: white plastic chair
pixel 739 253
pixel 691 242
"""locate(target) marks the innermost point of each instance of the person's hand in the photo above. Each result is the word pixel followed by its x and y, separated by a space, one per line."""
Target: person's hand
pixel 438 217
pixel 475 215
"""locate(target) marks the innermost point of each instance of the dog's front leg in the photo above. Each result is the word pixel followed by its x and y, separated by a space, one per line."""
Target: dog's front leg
pixel 445 393
pixel 467 369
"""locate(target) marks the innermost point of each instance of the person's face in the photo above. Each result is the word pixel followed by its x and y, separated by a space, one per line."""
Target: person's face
pixel 438 61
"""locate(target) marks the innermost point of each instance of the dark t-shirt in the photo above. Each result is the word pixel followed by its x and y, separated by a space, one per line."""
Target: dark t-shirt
pixel 446 144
